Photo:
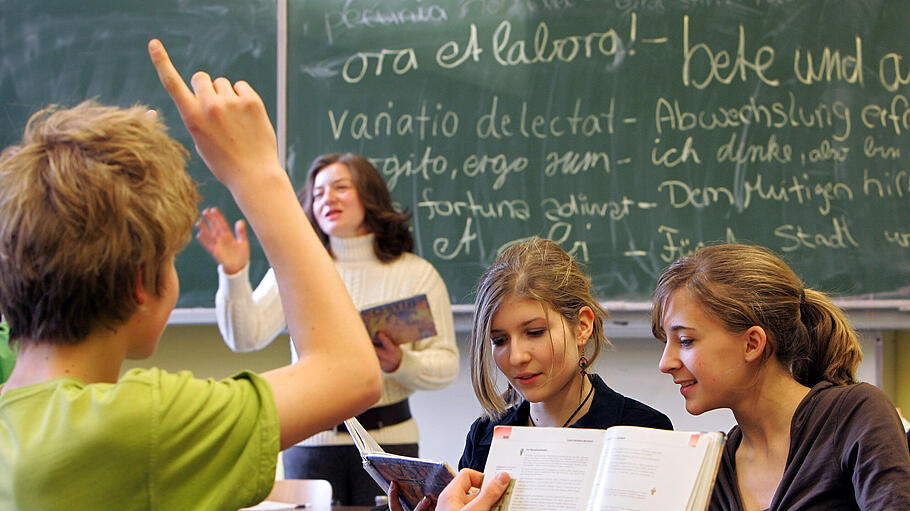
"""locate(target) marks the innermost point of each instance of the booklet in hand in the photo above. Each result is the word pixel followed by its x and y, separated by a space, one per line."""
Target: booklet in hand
pixel 403 321
pixel 416 477
pixel 623 467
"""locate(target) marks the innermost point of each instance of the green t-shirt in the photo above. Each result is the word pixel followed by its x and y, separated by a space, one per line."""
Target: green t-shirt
pixel 7 355
pixel 152 441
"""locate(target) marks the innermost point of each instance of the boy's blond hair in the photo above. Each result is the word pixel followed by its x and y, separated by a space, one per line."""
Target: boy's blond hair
pixel 92 199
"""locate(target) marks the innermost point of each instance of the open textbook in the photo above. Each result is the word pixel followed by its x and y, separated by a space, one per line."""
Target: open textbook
pixel 621 468
pixel 404 321
pixel 416 477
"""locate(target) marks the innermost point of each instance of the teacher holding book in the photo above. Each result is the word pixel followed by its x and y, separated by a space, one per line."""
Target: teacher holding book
pixel 351 210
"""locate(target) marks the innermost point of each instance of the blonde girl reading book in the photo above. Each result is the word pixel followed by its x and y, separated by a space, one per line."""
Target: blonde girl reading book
pixel 537 329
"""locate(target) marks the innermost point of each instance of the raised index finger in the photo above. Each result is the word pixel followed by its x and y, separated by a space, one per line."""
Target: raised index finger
pixel 171 80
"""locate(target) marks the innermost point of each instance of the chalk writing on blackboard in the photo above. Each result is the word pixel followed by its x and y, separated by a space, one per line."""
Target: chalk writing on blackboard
pixel 631 132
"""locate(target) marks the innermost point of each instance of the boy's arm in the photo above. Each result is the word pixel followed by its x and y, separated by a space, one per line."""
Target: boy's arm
pixel 337 375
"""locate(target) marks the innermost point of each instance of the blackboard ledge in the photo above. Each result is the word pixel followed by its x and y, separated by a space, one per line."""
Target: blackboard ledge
pixel 631 320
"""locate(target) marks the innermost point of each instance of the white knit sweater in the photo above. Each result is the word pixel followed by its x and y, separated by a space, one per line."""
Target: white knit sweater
pixel 250 320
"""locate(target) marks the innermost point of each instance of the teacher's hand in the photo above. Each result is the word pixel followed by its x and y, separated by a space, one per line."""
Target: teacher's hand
pixel 230 250
pixel 388 352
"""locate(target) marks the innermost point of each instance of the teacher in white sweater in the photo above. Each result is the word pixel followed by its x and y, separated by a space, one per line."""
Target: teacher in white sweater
pixel 351 210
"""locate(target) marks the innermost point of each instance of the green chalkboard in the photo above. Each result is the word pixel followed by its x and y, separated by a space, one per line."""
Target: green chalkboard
pixel 631 131
pixel 61 51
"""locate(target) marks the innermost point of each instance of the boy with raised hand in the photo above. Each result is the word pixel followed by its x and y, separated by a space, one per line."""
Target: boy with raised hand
pixel 95 204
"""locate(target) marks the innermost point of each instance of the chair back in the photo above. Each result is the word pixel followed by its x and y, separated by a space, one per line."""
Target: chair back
pixel 316 493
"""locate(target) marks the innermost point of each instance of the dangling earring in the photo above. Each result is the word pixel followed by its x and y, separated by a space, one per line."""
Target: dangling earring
pixel 583 364
pixel 509 388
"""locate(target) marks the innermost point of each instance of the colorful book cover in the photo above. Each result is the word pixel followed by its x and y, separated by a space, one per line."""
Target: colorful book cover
pixel 403 321
pixel 416 477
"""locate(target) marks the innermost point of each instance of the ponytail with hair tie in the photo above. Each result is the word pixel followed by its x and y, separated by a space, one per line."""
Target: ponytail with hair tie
pixel 803 309
pixel 745 285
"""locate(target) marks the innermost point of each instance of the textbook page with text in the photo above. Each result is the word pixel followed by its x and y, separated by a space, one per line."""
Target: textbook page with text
pixel 624 468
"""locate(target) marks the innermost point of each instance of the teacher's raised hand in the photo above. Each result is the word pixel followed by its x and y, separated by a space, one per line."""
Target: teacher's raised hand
pixel 230 249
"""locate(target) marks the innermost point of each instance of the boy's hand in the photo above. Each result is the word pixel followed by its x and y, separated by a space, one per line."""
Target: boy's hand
pixel 230 250
pixel 228 123
pixel 337 375
pixel 460 494
pixel 426 504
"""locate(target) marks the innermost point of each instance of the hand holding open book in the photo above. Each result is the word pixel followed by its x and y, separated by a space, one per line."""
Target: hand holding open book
pixel 415 477
pixel 621 468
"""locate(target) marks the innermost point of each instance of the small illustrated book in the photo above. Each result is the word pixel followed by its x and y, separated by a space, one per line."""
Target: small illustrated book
pixel 416 477
pixel 403 321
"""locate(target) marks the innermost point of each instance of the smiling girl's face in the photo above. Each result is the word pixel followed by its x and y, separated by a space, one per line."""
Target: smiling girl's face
pixel 536 349
pixel 706 361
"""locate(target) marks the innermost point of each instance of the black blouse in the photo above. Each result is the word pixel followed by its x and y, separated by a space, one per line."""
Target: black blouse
pixel 609 408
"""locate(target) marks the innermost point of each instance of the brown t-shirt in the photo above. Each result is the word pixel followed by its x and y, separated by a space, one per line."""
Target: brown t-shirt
pixel 847 451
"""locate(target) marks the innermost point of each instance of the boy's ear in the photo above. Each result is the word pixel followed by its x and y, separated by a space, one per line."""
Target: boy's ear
pixel 756 340
pixel 585 325
pixel 140 294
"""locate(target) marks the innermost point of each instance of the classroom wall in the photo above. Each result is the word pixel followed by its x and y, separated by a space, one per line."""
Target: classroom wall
pixel 444 416
pixel 898 363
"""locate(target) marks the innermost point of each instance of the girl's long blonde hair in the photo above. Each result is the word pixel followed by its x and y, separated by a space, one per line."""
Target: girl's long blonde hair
pixel 541 270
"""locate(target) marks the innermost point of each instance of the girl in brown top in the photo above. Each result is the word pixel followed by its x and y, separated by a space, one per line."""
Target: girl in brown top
pixel 742 332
